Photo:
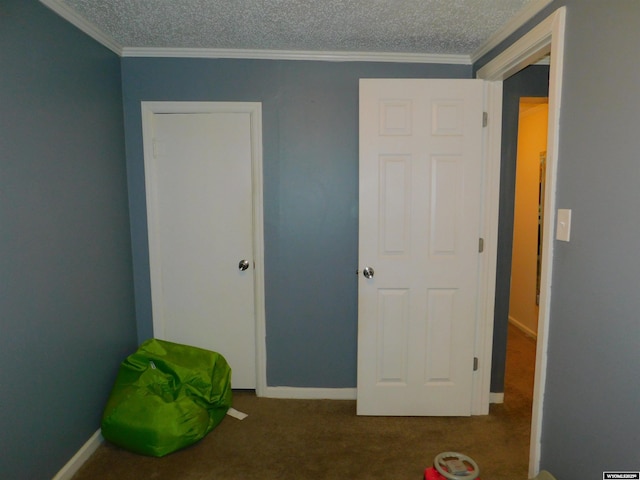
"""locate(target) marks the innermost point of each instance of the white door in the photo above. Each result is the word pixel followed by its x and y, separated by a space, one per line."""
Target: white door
pixel 200 208
pixel 420 204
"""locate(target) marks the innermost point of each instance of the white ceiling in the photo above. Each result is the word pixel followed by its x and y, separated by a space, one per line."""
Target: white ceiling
pixel 424 27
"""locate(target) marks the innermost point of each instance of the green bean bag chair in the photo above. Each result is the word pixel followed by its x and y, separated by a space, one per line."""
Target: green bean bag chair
pixel 166 396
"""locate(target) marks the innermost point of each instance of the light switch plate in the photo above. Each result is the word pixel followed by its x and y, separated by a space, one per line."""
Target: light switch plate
pixel 563 224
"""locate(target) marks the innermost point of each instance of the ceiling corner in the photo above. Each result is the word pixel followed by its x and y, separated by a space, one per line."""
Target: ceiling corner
pixel 87 27
pixel 526 14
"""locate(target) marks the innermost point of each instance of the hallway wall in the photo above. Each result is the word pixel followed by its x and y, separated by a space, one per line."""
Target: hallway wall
pixel 532 141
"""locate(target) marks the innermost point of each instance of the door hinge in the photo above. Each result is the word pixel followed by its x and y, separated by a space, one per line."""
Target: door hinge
pixel 475 364
pixel 481 245
pixel 485 119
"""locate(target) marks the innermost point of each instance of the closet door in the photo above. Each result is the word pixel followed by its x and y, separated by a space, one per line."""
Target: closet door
pixel 200 209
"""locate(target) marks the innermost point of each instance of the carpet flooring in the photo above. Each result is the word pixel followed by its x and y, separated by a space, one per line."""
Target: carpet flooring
pixel 324 439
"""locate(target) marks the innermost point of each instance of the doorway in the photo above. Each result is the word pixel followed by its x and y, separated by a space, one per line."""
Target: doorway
pixel 545 38
pixel 526 258
pixel 528 212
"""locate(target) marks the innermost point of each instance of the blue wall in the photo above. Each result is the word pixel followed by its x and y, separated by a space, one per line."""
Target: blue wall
pixel 66 290
pixel 592 400
pixel 310 138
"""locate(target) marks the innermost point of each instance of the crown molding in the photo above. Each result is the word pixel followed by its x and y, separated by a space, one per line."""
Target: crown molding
pixel 526 14
pixel 80 22
pixel 327 56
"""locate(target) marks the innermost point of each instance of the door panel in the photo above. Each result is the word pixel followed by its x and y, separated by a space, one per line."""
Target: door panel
pixel 420 204
pixel 201 223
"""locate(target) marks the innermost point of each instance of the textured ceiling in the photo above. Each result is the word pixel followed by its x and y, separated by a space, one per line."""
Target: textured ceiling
pixel 452 27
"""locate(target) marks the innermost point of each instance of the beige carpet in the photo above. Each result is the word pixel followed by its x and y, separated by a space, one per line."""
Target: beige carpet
pixel 324 439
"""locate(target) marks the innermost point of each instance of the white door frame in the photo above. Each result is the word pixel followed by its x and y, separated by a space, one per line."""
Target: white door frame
pixel 254 109
pixel 546 37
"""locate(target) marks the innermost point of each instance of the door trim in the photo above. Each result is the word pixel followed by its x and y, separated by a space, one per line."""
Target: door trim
pixel 254 109
pixel 546 37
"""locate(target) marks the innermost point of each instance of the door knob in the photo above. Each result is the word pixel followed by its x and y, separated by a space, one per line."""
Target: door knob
pixel 243 265
pixel 368 272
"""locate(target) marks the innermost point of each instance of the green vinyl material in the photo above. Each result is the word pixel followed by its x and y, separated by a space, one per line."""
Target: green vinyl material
pixel 166 396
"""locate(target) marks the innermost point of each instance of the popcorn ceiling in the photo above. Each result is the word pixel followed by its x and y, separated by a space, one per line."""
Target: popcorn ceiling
pixel 402 26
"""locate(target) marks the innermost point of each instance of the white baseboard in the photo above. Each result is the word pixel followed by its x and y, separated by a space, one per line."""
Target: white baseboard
pixel 81 456
pixel 521 326
pixel 496 397
pixel 311 393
